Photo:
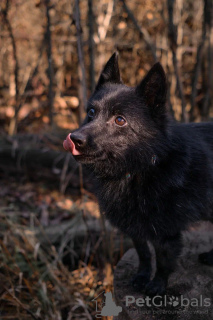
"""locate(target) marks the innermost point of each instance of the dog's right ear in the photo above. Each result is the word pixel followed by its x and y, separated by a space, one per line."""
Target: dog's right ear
pixel 110 73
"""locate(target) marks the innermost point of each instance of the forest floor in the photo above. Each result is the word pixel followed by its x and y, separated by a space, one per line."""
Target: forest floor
pixel 37 281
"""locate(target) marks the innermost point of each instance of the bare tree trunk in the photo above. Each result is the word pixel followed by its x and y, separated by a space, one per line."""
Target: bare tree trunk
pixel 49 57
pixel 13 123
pixel 211 57
pixel 104 20
pixel 197 68
pixel 209 24
pixel 166 60
pixel 82 72
pixel 172 34
pixel 91 45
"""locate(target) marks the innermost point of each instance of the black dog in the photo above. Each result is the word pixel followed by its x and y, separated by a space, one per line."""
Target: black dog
pixel 155 176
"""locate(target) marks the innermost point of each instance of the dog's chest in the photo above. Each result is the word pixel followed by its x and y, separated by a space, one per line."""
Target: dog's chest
pixel 127 207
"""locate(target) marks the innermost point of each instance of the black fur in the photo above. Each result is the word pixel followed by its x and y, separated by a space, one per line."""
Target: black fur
pixel 155 176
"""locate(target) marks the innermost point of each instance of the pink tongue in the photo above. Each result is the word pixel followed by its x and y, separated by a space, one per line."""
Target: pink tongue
pixel 70 146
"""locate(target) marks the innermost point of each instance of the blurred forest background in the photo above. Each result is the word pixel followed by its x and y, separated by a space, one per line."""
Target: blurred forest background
pixel 57 253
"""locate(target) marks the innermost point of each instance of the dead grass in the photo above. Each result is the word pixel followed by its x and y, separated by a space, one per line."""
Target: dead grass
pixel 35 284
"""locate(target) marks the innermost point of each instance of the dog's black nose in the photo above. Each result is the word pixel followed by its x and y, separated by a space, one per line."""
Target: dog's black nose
pixel 78 139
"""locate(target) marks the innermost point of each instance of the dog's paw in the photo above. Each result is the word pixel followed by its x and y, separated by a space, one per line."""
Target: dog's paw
pixel 206 258
pixel 156 287
pixel 140 280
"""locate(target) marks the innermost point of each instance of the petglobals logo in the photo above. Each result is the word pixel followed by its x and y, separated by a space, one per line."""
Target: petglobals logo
pixel 108 307
pixel 164 301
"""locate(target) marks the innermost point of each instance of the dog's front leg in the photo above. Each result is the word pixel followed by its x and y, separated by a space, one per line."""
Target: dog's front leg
pixel 167 252
pixel 141 279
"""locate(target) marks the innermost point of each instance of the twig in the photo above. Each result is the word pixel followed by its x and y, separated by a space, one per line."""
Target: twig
pixel 22 306
pixel 32 74
pixel 143 32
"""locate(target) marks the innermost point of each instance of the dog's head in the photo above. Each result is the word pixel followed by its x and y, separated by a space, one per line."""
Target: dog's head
pixel 122 123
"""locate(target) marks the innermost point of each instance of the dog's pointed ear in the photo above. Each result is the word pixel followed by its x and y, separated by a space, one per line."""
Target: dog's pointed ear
pixel 153 89
pixel 110 73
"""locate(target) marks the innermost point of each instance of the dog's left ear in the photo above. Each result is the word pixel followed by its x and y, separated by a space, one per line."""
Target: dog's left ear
pixel 153 89
pixel 110 73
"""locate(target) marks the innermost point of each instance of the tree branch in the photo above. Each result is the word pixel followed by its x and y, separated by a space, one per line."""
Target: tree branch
pixel 143 32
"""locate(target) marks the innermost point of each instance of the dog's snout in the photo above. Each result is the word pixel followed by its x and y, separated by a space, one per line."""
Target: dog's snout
pixel 78 139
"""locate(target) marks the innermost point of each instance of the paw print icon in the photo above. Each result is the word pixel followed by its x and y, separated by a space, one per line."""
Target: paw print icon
pixel 173 301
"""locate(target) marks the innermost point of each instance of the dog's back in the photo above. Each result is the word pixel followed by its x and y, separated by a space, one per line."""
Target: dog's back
pixel 199 131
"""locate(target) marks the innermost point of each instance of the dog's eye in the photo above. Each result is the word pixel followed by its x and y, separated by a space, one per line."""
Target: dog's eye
pixel 91 113
pixel 120 121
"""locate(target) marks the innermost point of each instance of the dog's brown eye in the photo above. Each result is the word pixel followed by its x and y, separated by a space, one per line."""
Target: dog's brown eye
pixel 120 121
pixel 91 113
